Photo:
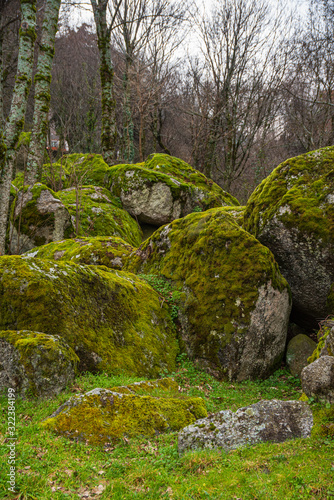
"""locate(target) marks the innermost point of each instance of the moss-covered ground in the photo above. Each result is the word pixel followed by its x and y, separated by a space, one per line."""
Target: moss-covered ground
pixel 51 467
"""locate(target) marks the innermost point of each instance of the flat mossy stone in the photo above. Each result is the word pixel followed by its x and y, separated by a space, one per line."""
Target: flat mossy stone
pixel 35 364
pixel 102 416
pixel 292 212
pixel 37 217
pixel 109 251
pixel 100 214
pixel 88 168
pixel 299 349
pixel 113 320
pixel 164 188
pixel 234 303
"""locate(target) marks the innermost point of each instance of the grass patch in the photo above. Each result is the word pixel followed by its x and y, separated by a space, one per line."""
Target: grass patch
pixel 50 467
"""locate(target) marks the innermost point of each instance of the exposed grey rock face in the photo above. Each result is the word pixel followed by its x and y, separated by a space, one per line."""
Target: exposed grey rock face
pixel 38 218
pixel 292 213
pixel 35 364
pixel 299 349
pixel 274 421
pixel 318 379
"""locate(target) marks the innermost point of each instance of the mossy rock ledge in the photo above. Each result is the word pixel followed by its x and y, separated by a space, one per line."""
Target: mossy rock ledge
pixel 164 188
pixel 292 213
pixel 35 364
pixel 102 416
pixel 100 214
pixel 113 320
pixel 37 217
pixel 234 303
pixel 108 251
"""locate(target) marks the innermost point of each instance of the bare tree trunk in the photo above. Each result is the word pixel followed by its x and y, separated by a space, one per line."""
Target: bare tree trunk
pixel 109 127
pixel 15 121
pixel 42 90
pixel 129 150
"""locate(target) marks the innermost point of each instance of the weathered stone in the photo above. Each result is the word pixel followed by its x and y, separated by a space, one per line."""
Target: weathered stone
pixel 299 349
pixel 164 188
pixel 234 304
pixel 292 212
pixel 113 320
pixel 274 421
pixel 35 364
pixel 37 217
pixel 318 379
pixel 102 416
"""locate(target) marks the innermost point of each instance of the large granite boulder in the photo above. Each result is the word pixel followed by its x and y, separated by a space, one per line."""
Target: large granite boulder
pixel 35 364
pixel 100 214
pixel 292 213
pixel 112 319
pixel 109 251
pixel 274 421
pixel 102 416
pixel 299 349
pixel 164 188
pixel 234 303
pixel 37 217
pixel 318 379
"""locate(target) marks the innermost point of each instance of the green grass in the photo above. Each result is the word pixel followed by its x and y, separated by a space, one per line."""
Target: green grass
pixel 50 467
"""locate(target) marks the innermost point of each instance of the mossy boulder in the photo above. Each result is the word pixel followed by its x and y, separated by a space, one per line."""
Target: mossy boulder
pixel 318 379
pixel 164 188
pixel 234 303
pixel 35 364
pixel 103 416
pixel 299 349
pixel 66 172
pixel 292 213
pixel 113 320
pixel 100 214
pixel 37 217
pixel 325 346
pixel 108 251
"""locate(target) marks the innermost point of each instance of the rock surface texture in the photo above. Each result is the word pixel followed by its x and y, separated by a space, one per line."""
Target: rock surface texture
pixel 112 319
pixel 38 217
pixel 35 364
pixel 299 349
pixel 164 188
pixel 292 213
pixel 274 421
pixel 234 303
pixel 318 379
pixel 101 416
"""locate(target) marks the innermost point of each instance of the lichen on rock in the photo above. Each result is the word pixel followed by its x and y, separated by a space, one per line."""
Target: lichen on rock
pixel 102 416
pixel 292 212
pixel 35 364
pixel 234 303
pixel 164 188
pixel 112 319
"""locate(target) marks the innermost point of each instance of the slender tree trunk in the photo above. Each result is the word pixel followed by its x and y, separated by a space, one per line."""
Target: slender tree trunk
pixel 15 120
pixel 109 128
pixel 42 90
pixel 129 150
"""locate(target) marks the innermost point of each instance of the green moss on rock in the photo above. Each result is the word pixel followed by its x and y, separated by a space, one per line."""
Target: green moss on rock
pixel 35 363
pixel 112 319
pixel 109 251
pixel 102 416
pixel 223 274
pixel 100 214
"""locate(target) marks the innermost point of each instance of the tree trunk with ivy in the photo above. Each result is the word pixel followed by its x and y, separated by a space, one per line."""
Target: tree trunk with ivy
pixel 15 121
pixel 42 91
pixel 109 127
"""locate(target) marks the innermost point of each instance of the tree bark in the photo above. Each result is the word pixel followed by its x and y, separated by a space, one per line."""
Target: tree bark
pixel 16 117
pixel 42 91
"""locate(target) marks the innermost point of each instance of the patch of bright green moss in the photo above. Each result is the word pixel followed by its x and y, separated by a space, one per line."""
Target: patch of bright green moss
pixel 323 422
pixel 322 336
pixel 299 192
pixel 95 309
pixel 102 416
pixel 101 215
pixel 109 251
